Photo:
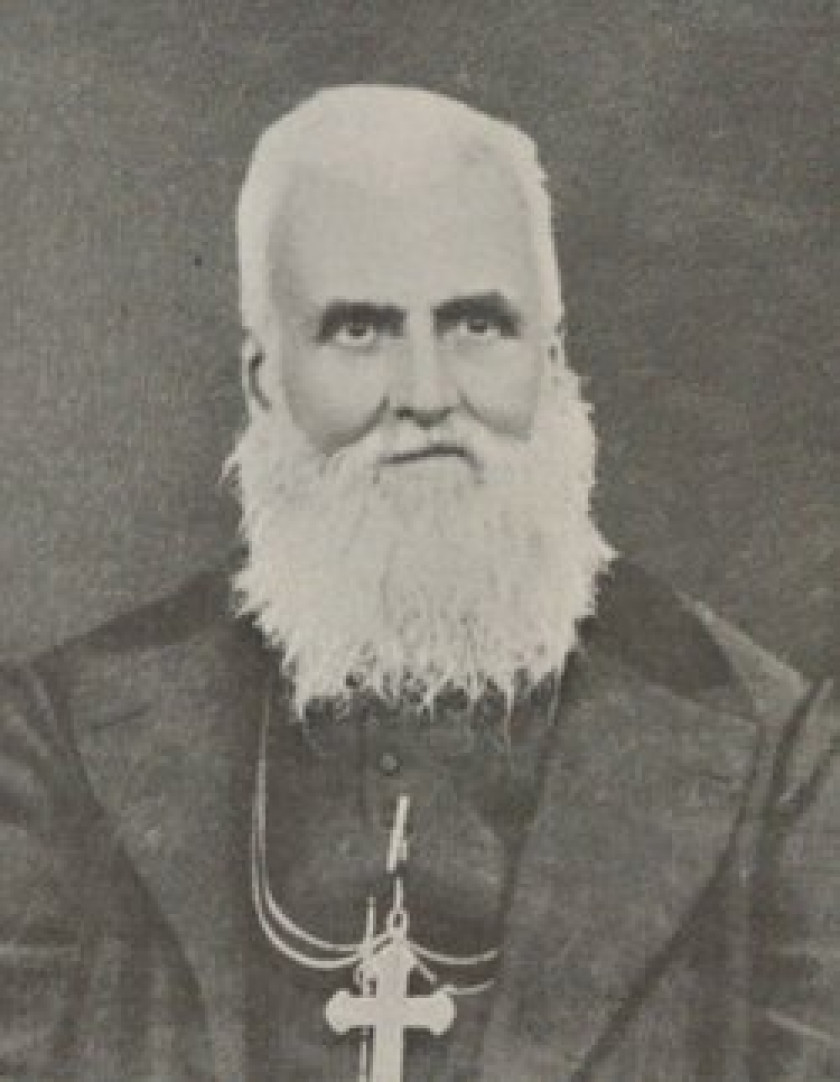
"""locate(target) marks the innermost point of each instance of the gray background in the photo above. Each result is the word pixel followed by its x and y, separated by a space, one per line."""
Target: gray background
pixel 689 144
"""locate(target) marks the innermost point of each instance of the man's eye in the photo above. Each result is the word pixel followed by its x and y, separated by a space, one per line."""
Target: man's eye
pixel 478 328
pixel 355 334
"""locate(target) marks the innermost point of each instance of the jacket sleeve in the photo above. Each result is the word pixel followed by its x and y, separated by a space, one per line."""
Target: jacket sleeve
pixel 796 902
pixel 41 883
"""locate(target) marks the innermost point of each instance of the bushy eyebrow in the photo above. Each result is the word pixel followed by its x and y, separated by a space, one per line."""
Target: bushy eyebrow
pixel 493 307
pixel 339 313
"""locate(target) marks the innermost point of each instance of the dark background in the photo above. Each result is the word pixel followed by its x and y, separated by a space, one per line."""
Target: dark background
pixel 690 146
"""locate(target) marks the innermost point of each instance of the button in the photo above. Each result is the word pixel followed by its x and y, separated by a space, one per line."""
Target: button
pixel 389 764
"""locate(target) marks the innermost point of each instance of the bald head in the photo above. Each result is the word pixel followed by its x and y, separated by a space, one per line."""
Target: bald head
pixel 389 141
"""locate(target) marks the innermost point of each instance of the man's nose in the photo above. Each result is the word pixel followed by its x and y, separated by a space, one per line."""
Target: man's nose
pixel 425 390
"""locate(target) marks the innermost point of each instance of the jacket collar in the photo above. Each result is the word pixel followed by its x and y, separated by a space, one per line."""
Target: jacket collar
pixel 641 797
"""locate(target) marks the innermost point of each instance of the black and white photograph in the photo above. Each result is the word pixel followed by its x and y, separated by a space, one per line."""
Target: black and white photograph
pixel 420 541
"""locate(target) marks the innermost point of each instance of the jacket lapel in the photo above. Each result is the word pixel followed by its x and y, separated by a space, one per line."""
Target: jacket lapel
pixel 641 798
pixel 167 737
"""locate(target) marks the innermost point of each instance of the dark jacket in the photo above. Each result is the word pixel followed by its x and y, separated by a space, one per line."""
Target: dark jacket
pixel 676 916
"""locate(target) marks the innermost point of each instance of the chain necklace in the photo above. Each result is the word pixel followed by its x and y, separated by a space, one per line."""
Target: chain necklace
pixel 315 953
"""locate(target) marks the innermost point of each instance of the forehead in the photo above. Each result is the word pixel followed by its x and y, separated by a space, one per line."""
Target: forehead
pixel 404 240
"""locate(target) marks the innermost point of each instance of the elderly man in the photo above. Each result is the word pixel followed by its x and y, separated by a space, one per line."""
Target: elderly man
pixel 453 793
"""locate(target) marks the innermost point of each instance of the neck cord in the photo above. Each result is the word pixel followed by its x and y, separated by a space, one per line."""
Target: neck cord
pixel 298 945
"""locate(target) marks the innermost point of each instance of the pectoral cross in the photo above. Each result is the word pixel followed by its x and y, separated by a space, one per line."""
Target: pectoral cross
pixel 384 1009
pixel 387 1010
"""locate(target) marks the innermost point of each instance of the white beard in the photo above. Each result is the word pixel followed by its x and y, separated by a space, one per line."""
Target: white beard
pixel 423 577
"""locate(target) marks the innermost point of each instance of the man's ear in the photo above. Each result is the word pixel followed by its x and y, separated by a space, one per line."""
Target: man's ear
pixel 555 347
pixel 252 371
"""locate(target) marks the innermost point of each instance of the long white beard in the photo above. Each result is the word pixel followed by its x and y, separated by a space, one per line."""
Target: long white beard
pixel 423 577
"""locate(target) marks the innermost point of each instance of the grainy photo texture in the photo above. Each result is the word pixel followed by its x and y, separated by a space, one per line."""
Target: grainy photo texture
pixel 418 428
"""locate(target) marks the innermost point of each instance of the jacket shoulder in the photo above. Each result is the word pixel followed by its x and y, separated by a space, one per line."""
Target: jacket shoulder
pixel 188 639
pixel 650 627
pixel 166 621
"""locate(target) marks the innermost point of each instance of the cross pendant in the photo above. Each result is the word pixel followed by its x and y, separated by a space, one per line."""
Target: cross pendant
pixel 387 1010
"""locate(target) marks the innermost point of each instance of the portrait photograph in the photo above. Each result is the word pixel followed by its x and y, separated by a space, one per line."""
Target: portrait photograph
pixel 420 541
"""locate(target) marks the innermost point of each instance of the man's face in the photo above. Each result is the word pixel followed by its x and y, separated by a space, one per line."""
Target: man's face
pixel 415 304
pixel 408 361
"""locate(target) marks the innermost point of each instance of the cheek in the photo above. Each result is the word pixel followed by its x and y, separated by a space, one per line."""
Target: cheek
pixel 503 389
pixel 333 399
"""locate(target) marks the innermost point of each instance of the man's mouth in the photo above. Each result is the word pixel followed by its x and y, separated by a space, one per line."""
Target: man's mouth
pixel 434 450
